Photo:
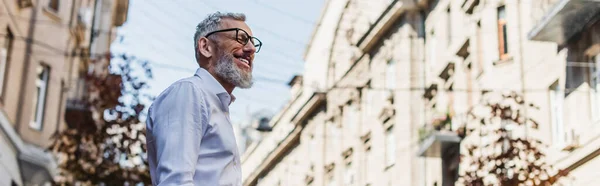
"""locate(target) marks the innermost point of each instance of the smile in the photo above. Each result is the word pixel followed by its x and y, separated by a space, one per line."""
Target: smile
pixel 244 61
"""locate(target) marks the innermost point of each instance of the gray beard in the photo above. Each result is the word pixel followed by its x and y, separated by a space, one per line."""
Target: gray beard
pixel 229 72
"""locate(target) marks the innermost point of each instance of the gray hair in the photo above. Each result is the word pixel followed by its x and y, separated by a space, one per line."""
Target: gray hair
pixel 212 23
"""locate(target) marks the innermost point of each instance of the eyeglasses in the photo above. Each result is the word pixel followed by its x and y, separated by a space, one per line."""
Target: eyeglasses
pixel 242 37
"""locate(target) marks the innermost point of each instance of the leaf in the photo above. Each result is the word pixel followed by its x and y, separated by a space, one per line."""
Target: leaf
pixel 93 151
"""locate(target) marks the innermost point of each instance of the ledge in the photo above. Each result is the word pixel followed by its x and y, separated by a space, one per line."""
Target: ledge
pixel 434 144
pixel 564 20
pixel 381 25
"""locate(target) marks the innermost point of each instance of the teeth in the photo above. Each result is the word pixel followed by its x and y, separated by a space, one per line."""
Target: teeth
pixel 244 60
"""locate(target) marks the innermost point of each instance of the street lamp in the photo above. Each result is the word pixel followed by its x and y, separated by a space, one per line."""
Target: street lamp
pixel 263 125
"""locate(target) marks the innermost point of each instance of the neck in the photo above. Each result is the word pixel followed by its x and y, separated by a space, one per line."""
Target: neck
pixel 226 85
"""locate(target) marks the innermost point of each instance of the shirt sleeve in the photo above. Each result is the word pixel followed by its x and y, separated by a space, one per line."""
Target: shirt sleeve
pixel 177 132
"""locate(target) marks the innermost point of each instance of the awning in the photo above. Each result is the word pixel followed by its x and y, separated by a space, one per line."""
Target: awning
pixel 564 20
pixel 437 142
pixel 37 166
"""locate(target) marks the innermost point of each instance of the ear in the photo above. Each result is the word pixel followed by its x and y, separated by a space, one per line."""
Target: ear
pixel 205 47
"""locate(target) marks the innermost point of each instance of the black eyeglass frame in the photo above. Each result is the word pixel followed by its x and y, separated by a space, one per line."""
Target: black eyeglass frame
pixel 238 39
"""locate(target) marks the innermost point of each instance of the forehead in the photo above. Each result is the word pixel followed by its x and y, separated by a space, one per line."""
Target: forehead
pixel 232 23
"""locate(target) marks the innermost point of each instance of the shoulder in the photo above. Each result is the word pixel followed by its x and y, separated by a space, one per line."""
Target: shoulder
pixel 187 90
pixel 191 85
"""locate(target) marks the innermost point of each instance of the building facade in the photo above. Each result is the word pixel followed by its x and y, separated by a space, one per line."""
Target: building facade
pixel 573 27
pixel 390 71
pixel 43 45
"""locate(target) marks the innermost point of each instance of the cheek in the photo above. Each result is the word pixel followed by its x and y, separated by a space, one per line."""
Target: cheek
pixel 237 50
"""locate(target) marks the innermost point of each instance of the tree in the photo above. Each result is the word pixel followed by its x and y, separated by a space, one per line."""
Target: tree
pixel 495 155
pixel 110 147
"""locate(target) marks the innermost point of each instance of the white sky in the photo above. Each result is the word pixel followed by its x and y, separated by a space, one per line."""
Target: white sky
pixel 162 32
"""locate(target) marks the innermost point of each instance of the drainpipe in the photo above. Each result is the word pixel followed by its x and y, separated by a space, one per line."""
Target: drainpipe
pixel 26 62
pixel 522 66
pixel 423 17
pixel 64 87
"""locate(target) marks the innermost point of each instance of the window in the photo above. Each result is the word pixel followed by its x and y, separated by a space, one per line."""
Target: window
pixel 39 97
pixel 351 119
pixel 556 113
pixel 4 59
pixel 432 49
pixel 349 174
pixel 331 181
pixel 53 5
pixel 390 75
pixel 390 147
pixel 449 26
pixel 595 88
pixel 333 136
pixel 367 164
pixel 502 33
pixel 24 3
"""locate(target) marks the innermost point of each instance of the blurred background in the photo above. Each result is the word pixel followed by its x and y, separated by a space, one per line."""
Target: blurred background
pixel 347 92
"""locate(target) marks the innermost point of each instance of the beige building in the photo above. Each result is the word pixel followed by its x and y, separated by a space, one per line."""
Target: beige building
pixel 378 73
pixel 43 42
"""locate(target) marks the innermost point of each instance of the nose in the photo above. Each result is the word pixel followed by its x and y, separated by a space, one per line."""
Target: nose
pixel 249 48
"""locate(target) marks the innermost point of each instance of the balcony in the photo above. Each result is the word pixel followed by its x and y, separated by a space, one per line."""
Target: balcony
pixel 437 138
pixel 565 19
pixel 78 115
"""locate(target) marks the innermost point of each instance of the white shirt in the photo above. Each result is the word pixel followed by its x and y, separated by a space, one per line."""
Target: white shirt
pixel 189 134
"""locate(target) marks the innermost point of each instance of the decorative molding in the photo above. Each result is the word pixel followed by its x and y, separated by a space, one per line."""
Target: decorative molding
pixel 448 71
pixel 431 91
pixel 54 15
pixel 366 138
pixel 25 3
pixel 354 96
pixel 348 153
pixel 308 179
pixel 329 167
pixel 386 113
pixel 333 113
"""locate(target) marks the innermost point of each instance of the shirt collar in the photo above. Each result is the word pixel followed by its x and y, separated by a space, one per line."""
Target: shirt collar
pixel 215 87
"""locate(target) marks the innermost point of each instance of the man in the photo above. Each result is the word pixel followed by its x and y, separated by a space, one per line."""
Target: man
pixel 189 135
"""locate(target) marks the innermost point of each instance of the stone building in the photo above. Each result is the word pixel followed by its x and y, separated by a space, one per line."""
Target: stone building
pixel 44 44
pixel 380 74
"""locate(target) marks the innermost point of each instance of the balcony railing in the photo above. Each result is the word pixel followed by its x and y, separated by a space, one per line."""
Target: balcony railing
pixel 78 115
pixel 563 20
pixel 438 125
pixel 436 137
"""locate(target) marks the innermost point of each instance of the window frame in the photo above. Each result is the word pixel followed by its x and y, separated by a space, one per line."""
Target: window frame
pixel 390 147
pixel 349 173
pixel 5 53
pixel 502 32
pixel 594 75
pixel 350 117
pixel 53 5
pixel 390 74
pixel 449 26
pixel 42 82
pixel 556 103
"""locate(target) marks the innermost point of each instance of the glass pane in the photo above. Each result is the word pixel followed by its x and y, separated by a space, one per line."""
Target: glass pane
pixel 53 4
pixel 501 13
pixel 3 61
pixel 39 97
pixel 34 122
pixel 505 39
pixel 390 143
pixel 390 81
pixel 556 97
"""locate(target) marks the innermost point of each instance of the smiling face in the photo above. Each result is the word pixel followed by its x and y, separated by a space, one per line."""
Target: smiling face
pixel 232 55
